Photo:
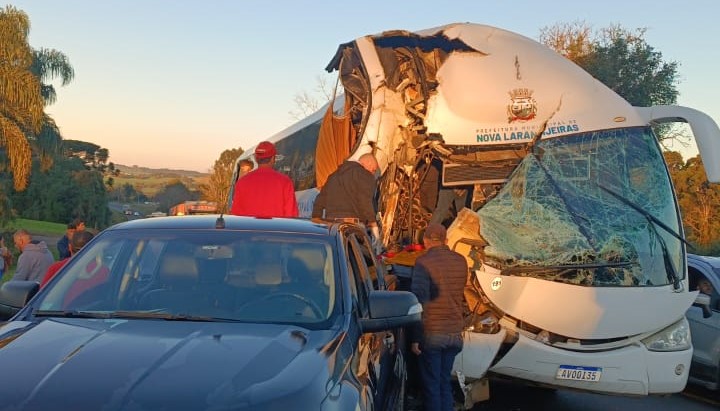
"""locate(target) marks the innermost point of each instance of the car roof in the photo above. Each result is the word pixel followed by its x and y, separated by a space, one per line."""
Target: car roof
pixel 230 222
pixel 714 262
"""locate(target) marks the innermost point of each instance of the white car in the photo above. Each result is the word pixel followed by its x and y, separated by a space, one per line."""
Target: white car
pixel 704 273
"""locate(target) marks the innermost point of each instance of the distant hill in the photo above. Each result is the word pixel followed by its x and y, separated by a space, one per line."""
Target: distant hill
pixel 158 172
pixel 150 180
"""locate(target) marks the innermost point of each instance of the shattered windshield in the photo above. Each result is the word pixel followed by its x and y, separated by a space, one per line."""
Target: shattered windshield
pixel 591 209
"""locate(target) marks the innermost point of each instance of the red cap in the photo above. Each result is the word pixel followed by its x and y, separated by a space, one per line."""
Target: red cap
pixel 264 150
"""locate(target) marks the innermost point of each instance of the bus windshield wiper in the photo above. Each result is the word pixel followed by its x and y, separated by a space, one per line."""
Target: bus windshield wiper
pixel 645 213
pixel 673 276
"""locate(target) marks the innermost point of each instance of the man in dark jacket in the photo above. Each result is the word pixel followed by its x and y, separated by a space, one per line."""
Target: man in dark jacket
pixel 63 244
pixel 438 281
pixel 349 193
pixel 63 247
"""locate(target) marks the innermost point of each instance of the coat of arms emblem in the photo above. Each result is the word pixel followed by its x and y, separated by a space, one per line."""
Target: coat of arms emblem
pixel 523 106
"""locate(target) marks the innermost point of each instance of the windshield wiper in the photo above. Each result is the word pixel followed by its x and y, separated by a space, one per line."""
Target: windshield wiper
pixel 122 314
pixel 645 213
pixel 673 276
pixel 159 316
pixel 70 313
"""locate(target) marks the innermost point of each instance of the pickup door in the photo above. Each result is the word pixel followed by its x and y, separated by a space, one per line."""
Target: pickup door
pixel 381 365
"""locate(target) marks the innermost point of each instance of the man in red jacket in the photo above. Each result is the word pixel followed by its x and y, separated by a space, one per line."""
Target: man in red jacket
pixel 264 192
pixel 78 239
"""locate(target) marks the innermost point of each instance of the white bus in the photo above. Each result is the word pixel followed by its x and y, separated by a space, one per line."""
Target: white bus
pixel 575 242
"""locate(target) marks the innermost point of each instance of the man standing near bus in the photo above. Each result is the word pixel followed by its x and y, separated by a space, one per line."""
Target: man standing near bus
pixel 348 194
pixel 264 192
pixel 438 281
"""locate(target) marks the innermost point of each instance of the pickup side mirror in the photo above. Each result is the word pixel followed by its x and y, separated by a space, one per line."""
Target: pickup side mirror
pixel 14 295
pixel 703 301
pixel 391 309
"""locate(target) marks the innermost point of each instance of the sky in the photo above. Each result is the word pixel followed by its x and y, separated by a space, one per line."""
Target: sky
pixel 174 83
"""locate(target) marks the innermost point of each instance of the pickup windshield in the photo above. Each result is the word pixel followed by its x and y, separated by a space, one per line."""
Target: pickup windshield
pixel 198 275
pixel 584 209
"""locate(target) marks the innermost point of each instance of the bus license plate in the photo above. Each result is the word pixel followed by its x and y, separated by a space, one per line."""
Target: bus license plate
pixel 571 372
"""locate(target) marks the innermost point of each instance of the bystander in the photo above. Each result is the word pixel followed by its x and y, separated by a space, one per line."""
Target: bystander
pixel 438 281
pixel 35 258
pixel 264 192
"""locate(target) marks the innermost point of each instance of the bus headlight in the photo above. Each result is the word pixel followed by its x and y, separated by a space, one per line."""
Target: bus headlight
pixel 673 338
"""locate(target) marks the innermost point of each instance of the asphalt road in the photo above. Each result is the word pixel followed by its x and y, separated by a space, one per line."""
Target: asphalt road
pixel 120 207
pixel 511 397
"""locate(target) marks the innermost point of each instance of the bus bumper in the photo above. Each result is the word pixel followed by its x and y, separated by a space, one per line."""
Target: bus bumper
pixel 630 370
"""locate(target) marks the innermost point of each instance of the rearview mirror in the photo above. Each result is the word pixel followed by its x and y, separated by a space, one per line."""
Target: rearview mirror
pixel 703 301
pixel 391 309
pixel 14 295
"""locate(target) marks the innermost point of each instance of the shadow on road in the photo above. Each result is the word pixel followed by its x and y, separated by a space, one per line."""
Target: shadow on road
pixel 512 397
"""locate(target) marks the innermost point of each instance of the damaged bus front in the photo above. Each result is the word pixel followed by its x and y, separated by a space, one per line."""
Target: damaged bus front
pixel 575 243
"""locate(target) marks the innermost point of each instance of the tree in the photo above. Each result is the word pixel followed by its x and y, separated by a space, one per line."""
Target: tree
pixel 632 68
pixel 127 193
pixel 699 201
pixel 218 187
pixel 25 129
pixel 21 101
pixel 65 191
pixel 94 157
pixel 307 103
pixel 622 60
pixel 49 64
pixel 572 40
pixel 174 193
pixel 619 58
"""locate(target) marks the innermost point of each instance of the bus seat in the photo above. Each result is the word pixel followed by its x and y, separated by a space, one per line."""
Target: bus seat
pixel 268 273
pixel 178 271
pixel 307 260
pixel 177 277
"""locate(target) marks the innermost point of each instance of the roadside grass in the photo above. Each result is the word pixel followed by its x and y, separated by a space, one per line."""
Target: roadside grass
pixel 36 227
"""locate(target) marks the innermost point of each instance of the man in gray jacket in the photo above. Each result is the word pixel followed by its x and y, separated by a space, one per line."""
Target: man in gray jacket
pixel 34 260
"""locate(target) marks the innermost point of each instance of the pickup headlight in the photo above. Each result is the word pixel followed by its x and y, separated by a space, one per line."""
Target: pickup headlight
pixel 673 338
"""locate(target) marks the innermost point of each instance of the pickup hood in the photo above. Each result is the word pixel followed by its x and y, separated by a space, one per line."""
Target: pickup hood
pixel 135 364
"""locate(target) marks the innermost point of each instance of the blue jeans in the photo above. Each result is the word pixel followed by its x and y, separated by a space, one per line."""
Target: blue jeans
pixel 436 361
pixel 448 199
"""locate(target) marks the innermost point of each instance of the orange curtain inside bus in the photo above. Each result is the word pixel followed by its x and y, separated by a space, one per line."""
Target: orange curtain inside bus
pixel 335 140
